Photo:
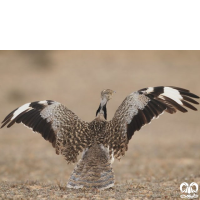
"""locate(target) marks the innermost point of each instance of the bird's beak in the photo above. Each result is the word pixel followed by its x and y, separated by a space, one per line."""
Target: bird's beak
pixel 113 92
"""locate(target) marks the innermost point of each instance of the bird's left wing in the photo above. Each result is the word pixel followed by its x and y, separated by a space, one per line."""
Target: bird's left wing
pixel 139 108
pixel 56 123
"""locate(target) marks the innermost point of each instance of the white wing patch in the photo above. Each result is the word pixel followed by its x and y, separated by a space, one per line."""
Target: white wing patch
pixel 172 94
pixel 149 90
pixel 21 109
pixel 43 102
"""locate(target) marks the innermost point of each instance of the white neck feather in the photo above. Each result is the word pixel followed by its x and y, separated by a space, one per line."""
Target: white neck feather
pixel 103 101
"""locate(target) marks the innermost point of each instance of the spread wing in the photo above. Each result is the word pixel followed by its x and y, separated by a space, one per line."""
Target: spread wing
pixel 56 123
pixel 139 108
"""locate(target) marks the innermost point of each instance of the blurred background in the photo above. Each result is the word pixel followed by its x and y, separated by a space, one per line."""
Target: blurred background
pixel 168 148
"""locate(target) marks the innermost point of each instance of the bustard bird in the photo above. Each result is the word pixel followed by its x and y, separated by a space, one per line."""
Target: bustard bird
pixel 99 140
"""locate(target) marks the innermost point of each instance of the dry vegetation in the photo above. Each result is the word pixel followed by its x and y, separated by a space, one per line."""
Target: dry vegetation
pixel 137 189
pixel 160 157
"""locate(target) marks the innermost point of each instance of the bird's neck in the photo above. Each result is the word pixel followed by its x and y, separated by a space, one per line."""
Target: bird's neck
pixel 102 111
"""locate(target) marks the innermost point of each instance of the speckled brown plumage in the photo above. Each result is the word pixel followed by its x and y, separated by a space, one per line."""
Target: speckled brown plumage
pixel 100 140
pixel 93 169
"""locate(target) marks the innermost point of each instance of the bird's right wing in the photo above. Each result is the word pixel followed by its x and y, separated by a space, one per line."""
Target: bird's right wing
pixel 139 108
pixel 56 123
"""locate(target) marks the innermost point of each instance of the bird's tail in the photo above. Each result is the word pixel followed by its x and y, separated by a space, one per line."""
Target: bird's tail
pixel 93 170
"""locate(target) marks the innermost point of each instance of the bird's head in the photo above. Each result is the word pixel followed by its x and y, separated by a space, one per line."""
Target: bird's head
pixel 107 94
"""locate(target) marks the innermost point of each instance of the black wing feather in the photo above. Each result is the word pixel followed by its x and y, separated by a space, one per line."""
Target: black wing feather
pixel 32 118
pixel 158 104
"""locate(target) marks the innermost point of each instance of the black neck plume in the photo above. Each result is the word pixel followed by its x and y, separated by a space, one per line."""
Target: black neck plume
pixel 104 110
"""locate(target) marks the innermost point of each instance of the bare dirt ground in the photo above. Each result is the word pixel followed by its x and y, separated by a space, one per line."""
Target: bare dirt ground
pixel 161 155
